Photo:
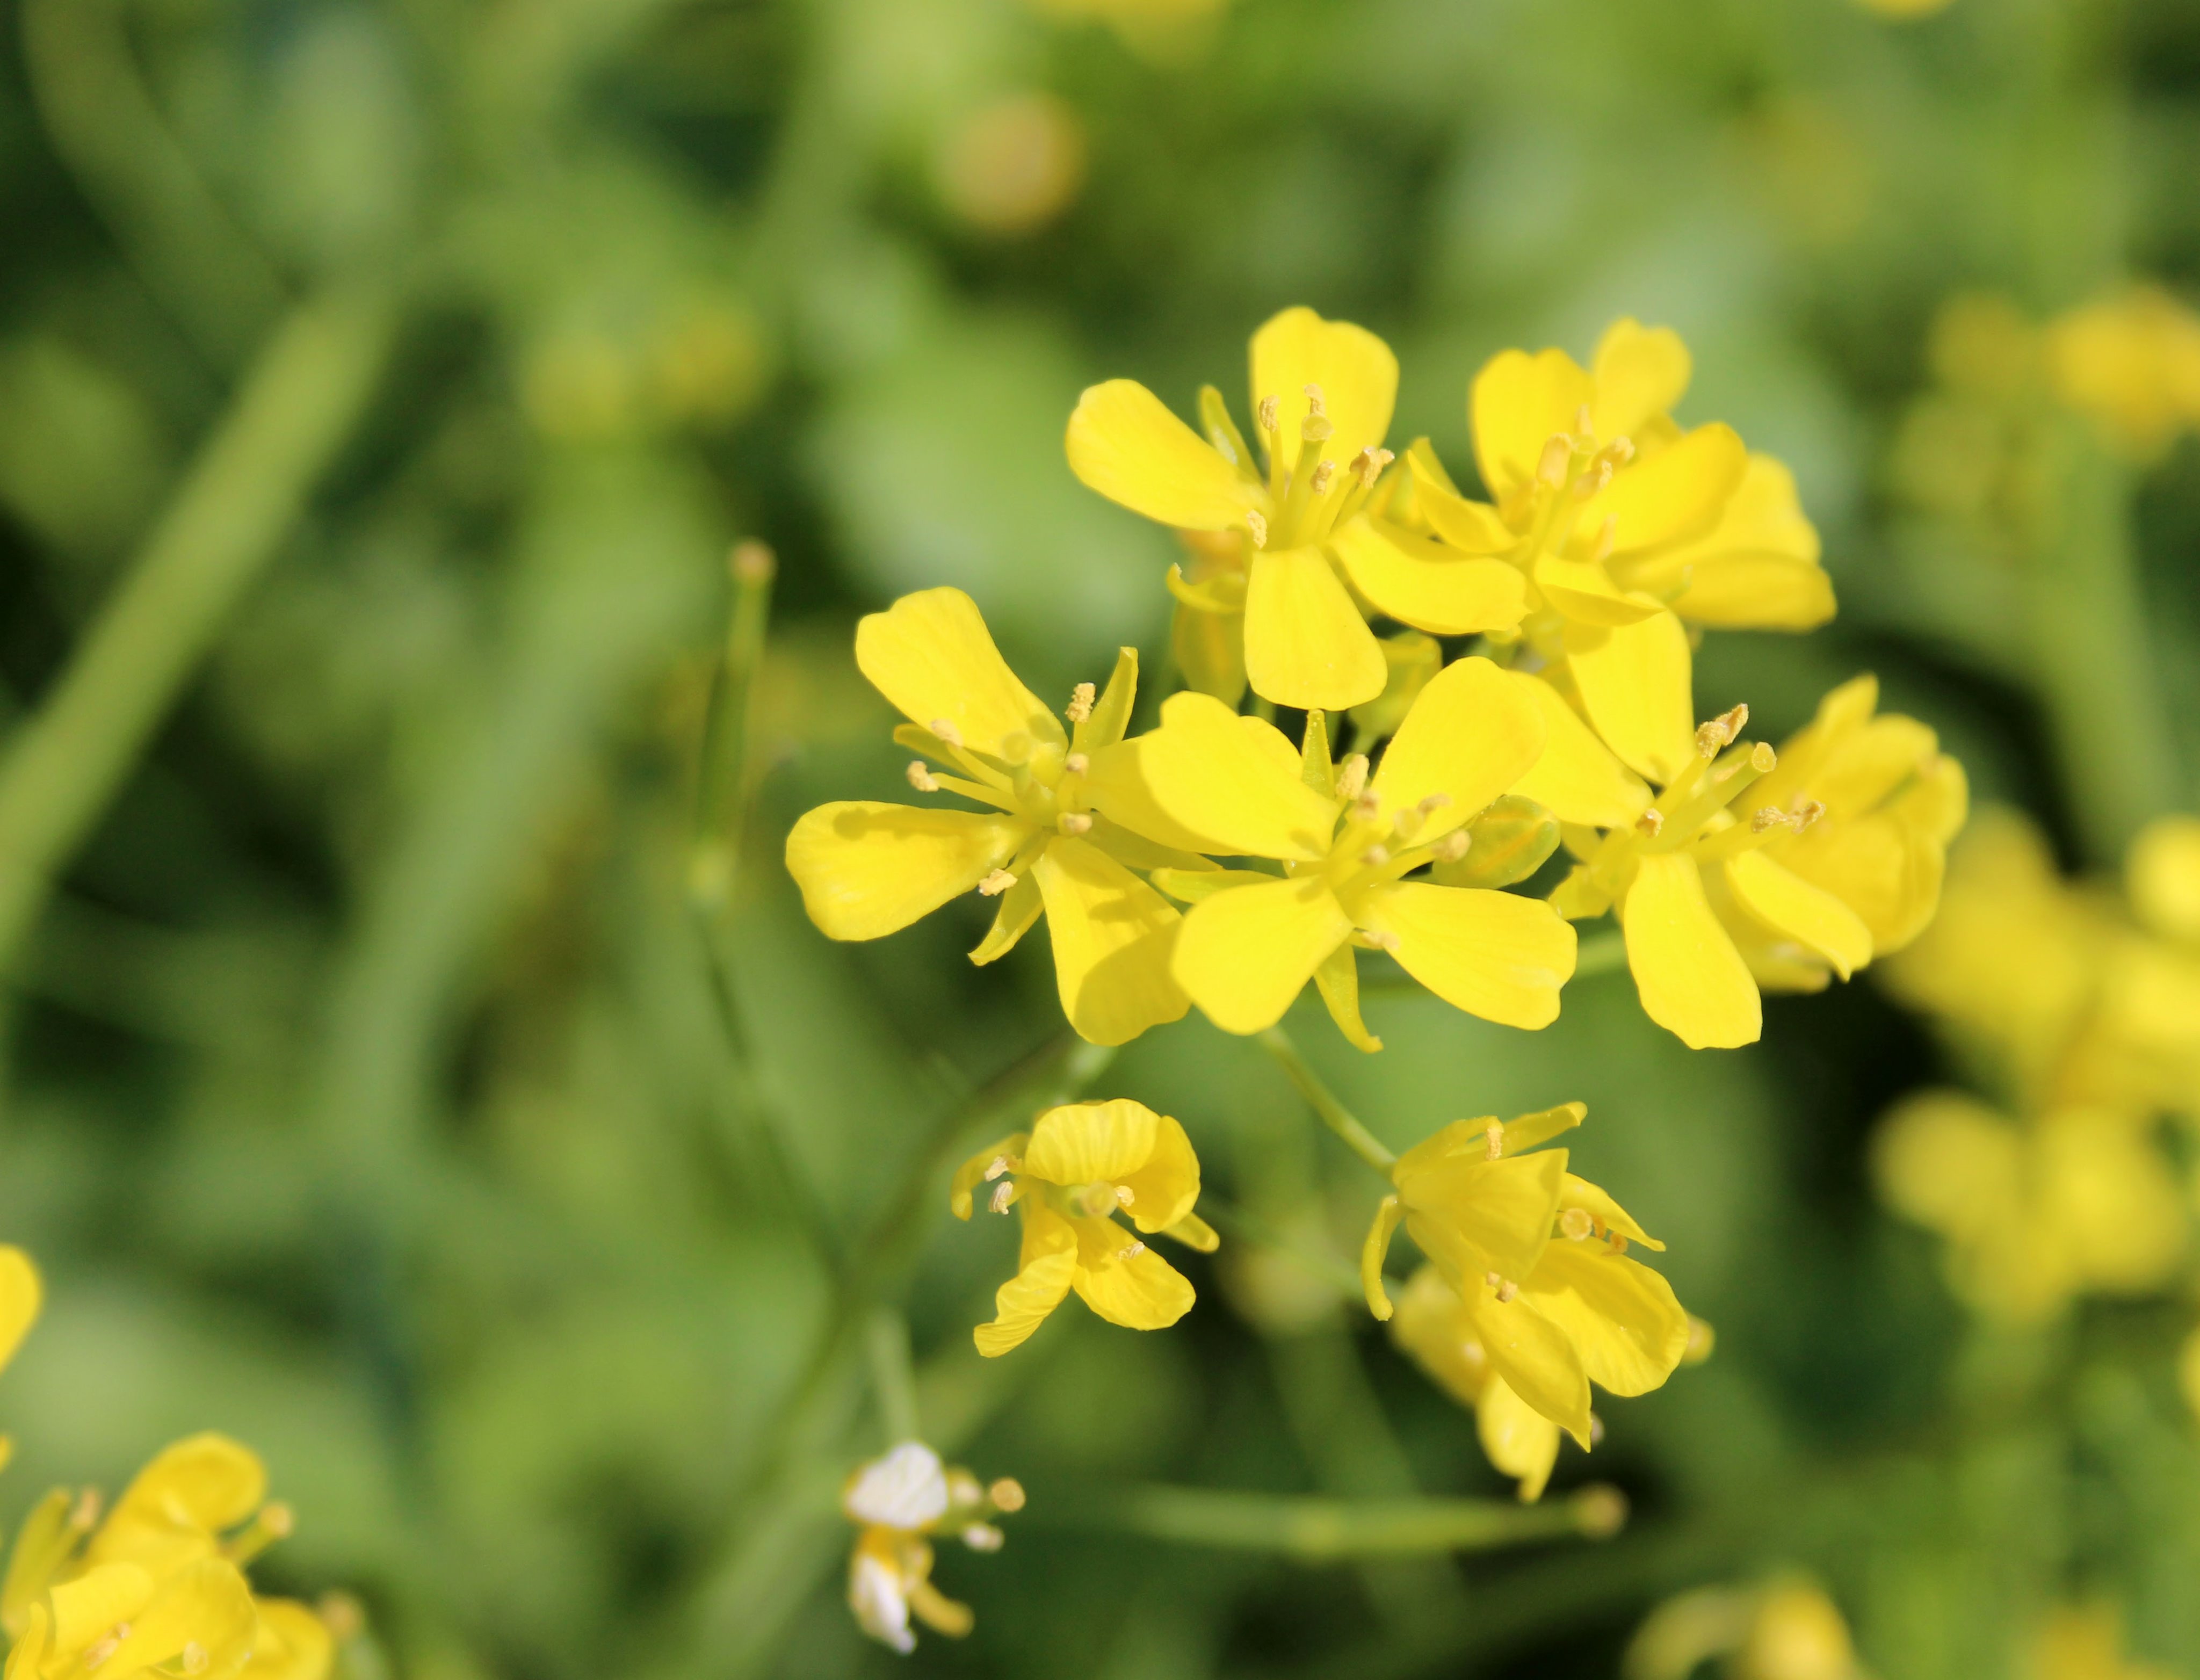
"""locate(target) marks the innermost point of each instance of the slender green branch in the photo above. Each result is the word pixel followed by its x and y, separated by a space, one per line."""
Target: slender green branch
pixel 296 406
pixel 892 1381
pixel 1317 1530
pixel 723 790
pixel 1323 1101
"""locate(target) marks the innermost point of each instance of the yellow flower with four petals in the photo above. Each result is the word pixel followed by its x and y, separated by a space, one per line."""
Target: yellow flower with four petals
pixel 899 1502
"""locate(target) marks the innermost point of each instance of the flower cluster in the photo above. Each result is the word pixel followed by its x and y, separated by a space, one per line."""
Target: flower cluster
pixel 159 1583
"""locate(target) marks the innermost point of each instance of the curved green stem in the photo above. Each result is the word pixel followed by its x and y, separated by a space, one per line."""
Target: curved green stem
pixel 1323 1101
pixel 1317 1530
pixel 893 1383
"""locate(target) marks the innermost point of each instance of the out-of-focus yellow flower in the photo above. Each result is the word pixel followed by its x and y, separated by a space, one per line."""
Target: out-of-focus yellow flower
pixel 868 869
pixel 898 1503
pixel 2131 362
pixel 2162 876
pixel 1322 395
pixel 2081 1200
pixel 20 1294
pixel 1210 781
pixel 1536 1259
pixel 1013 165
pixel 1078 1168
pixel 2086 1642
pixel 159 1583
pixel 1786 1630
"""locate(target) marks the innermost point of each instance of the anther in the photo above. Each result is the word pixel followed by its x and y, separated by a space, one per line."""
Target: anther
pixel 1494 1133
pixel 994 1168
pixel 1080 702
pixel 1762 759
pixel 1131 1253
pixel 1721 732
pixel 1619 452
pixel 1766 818
pixel 1367 805
pixel 1003 1193
pixel 1383 939
pixel 1650 822
pixel 1256 524
pixel 1618 1243
pixel 1351 776
pixel 1268 410
pixel 1557 451
pixel 946 731
pixel 1576 1224
pixel 1434 802
pixel 1325 475
pixel 1007 1495
pixel 921 778
pixel 1607 537
pixel 1076 764
pixel 1505 1287
pixel 1075 823
pixel 1375 857
pixel 1368 464
pixel 1125 1195
pixel 1806 813
pixel 1315 402
pixel 1452 847
pixel 996 884
pixel 1597 476
pixel 983 1537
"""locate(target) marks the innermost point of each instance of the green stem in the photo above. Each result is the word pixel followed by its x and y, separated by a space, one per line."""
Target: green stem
pixel 892 1380
pixel 722 803
pixel 1318 1531
pixel 1323 1101
pixel 297 405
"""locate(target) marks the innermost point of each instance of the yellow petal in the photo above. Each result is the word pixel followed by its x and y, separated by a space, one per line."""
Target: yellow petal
pixel 1756 568
pixel 1474 1216
pixel 1672 496
pixel 1082 1143
pixel 931 655
pixel 1243 955
pixel 207 1604
pixel 27 1657
pixel 1496 955
pixel 1598 1202
pixel 1165 1189
pixel 1622 1317
pixel 867 870
pixel 1471 527
pixel 1125 1281
pixel 21 1293
pixel 2162 874
pixel 1693 981
pixel 1219 786
pixel 1048 1264
pixel 1418 581
pixel 1576 779
pixel 1472 735
pixel 1533 1357
pixel 1517 1439
pixel 972 1172
pixel 1110 716
pixel 1887 874
pixel 1355 370
pixel 1306 644
pixel 1757 591
pixel 207 1480
pixel 1582 591
pixel 1124 442
pixel 1809 915
pixel 1338 980
pixel 291 1643
pixel 1194 1232
pixel 1640 373
pixel 1633 681
pixel 1517 403
pixel 1112 935
pixel 1019 907
pixel 88 1607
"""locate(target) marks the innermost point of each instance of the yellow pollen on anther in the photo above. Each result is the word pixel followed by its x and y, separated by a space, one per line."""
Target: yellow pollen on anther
pixel 1076 764
pixel 1768 818
pixel 999 1165
pixel 1619 452
pixel 1650 822
pixel 1597 476
pixel 1325 475
pixel 84 1515
pixel 1080 702
pixel 1434 802
pixel 983 1537
pixel 1369 464
pixel 947 731
pixel 1576 1224
pixel 1351 776
pixel 1131 1253
pixel 1007 1495
pixel 996 884
pixel 1076 823
pixel 1807 812
pixel 1367 805
pixel 1003 1193
pixel 1256 523
pixel 1505 1287
pixel 1315 403
pixel 1494 1133
pixel 1721 731
pixel 1125 1195
pixel 1551 469
pixel 1375 857
pixel 921 778
pixel 1268 410
pixel 1618 1243
pixel 1452 847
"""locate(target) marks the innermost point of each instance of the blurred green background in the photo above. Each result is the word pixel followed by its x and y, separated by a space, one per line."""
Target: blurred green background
pixel 374 1092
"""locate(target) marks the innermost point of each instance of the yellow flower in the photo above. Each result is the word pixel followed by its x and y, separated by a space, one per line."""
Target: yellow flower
pixel 2088 1643
pixel 2133 363
pixel 868 869
pixel 160 1581
pixel 1432 1325
pixel 2163 877
pixel 1537 1258
pixel 2081 1201
pixel 1210 781
pixel 20 1294
pixel 1322 396
pixel 1786 1630
pixel 1079 1166
pixel 895 1501
pixel 1884 801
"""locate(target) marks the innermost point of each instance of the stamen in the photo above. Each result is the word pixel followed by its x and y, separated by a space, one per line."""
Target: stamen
pixel 1597 476
pixel 1452 847
pixel 1007 1495
pixel 1762 759
pixel 1125 1195
pixel 983 1537
pixel 1080 702
pixel 1650 822
pixel 1721 731
pixel 1315 403
pixel 1808 812
pixel 1003 1193
pixel 107 1647
pixel 1375 857
pixel 1576 1224
pixel 1256 523
pixel 1315 429
pixel 1267 411
pixel 1075 823
pixel 1351 776
pixel 1368 464
pixel 996 884
pixel 1618 1243
pixel 1619 452
pixel 1506 1288
pixel 1132 1252
pixel 1367 805
pixel 1076 764
pixel 1382 939
pixel 1557 453
pixel 999 1165
pixel 1407 823
pixel 1434 802
pixel 946 731
pixel 1768 818
pixel 1325 475
pixel 1494 1132
pixel 1607 537
pixel 921 778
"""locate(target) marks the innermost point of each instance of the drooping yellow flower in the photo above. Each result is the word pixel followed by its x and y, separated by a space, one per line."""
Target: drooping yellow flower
pixel 2077 1201
pixel 1433 1326
pixel 2086 1642
pixel 1079 1166
pixel 868 869
pixel 2131 361
pixel 1322 395
pixel 898 1503
pixel 1537 1258
pixel 1211 781
pixel 160 1582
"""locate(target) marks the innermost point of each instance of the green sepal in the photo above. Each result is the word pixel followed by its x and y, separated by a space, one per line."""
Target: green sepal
pixel 1507 843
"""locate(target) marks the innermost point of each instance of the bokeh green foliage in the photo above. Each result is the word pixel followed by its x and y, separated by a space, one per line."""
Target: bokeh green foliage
pixel 377 1092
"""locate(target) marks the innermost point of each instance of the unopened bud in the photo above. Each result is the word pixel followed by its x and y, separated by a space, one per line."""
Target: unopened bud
pixel 752 563
pixel 1007 1495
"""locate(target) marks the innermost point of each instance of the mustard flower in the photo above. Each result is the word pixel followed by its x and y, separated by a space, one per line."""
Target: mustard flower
pixel 898 1503
pixel 1210 780
pixel 2131 362
pixel 1079 1166
pixel 868 869
pixel 2086 1642
pixel 1537 1259
pixel 1432 1323
pixel 1314 536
